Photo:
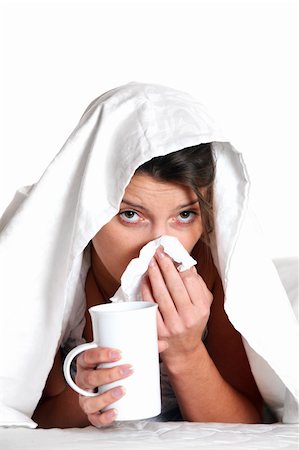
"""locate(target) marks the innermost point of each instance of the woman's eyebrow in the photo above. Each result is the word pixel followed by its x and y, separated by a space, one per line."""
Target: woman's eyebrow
pixel 136 206
pixel 189 204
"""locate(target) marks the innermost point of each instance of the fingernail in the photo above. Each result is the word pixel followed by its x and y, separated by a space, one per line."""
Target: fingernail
pixel 160 253
pixel 118 392
pixel 152 262
pixel 112 413
pixel 126 371
pixel 115 354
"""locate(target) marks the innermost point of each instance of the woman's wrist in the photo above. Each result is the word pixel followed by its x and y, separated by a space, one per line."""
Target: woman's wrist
pixel 179 363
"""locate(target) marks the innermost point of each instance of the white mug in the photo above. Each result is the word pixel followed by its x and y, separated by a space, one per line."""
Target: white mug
pixel 130 327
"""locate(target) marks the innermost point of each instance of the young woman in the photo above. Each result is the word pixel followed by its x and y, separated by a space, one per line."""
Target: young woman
pixel 203 359
pixel 144 161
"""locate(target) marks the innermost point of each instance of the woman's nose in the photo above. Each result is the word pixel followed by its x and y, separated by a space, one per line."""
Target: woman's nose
pixel 160 229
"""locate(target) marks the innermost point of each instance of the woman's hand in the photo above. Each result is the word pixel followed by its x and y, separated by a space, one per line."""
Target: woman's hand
pixel 90 377
pixel 184 304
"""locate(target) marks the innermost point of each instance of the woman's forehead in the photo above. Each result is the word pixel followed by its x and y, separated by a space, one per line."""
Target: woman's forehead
pixel 145 189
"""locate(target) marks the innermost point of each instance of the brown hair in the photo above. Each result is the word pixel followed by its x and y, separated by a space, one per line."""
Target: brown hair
pixel 193 167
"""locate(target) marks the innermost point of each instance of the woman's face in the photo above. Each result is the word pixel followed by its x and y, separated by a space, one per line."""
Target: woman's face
pixel 149 209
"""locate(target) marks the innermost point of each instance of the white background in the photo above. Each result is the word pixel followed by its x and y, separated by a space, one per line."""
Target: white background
pixel 239 58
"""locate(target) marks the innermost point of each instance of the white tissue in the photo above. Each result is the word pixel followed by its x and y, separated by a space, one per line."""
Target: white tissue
pixel 131 278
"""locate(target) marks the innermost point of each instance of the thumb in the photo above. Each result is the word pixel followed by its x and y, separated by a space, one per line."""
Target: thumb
pixel 162 345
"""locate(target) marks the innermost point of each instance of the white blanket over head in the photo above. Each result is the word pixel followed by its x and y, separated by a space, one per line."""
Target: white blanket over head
pixel 45 232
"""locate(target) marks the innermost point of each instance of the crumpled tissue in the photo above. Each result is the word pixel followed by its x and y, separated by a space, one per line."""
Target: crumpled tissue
pixel 131 279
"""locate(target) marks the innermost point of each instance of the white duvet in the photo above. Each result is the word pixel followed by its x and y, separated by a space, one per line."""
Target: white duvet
pixel 155 435
pixel 45 231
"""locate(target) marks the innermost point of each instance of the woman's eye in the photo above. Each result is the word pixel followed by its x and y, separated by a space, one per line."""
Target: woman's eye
pixel 186 216
pixel 129 216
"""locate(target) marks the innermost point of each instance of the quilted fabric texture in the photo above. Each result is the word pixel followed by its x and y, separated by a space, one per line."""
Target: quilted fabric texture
pixel 155 435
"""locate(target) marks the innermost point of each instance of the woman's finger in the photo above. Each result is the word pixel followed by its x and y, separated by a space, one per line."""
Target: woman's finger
pixel 197 289
pixel 172 281
pixel 167 309
pixel 162 345
pixel 146 292
pixel 92 378
pixel 186 288
pixel 91 405
pixel 147 295
pixel 102 419
pixel 93 357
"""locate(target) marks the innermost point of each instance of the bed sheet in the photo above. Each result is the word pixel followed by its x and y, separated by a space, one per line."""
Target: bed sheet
pixel 154 435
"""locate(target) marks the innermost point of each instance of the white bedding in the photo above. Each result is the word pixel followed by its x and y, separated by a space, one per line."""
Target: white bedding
pixel 154 435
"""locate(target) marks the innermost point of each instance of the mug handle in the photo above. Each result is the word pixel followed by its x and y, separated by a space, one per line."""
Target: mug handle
pixel 67 368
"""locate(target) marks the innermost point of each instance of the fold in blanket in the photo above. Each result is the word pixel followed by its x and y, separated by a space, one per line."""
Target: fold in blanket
pixel 44 234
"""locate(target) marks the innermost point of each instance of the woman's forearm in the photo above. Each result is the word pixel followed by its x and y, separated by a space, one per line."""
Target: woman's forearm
pixel 202 393
pixel 60 411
